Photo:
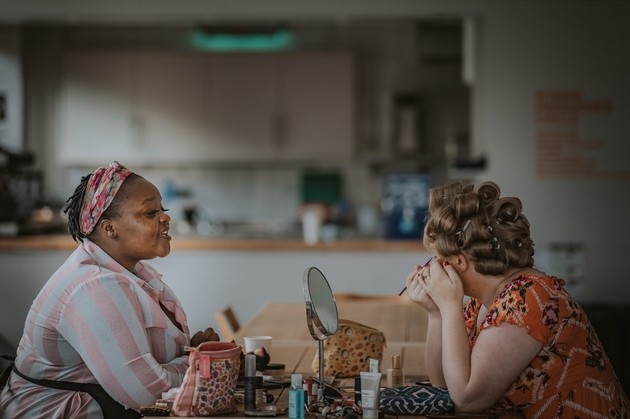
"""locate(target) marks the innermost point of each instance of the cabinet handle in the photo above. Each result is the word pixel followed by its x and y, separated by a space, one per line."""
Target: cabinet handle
pixel 280 131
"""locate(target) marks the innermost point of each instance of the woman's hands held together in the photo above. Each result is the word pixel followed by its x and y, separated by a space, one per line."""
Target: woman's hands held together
pixel 209 335
pixel 417 292
pixel 434 286
pixel 443 284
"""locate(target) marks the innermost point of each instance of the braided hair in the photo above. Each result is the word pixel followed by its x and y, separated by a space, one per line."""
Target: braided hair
pixel 73 209
pixel 491 230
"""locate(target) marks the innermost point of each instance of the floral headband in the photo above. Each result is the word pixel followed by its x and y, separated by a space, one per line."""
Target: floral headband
pixel 100 191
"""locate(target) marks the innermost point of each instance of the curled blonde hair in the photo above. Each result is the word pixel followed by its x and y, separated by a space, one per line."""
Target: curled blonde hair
pixel 490 230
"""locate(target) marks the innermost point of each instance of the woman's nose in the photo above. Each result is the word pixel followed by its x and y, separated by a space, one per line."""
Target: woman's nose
pixel 165 217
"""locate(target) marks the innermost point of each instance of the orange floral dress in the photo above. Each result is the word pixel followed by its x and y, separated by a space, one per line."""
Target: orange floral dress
pixel 571 377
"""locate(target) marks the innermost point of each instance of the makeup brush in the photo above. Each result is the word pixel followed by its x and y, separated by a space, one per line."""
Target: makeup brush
pixel 423 266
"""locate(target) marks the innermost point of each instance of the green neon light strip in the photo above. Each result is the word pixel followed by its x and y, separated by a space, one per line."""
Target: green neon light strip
pixel 279 40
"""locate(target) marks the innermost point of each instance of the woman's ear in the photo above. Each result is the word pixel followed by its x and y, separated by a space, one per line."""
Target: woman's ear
pixel 460 262
pixel 107 228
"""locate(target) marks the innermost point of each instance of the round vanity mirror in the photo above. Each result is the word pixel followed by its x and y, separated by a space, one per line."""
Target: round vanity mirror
pixel 321 308
pixel 321 315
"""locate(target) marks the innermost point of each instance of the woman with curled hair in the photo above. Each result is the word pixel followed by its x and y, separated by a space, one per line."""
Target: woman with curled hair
pixel 105 335
pixel 521 341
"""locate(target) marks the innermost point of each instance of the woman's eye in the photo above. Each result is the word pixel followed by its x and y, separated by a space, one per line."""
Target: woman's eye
pixel 153 213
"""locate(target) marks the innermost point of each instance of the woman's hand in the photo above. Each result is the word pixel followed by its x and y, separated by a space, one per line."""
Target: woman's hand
pixel 442 283
pixel 209 335
pixel 416 291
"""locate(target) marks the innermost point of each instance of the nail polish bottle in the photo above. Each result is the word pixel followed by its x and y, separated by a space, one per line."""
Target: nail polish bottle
pixel 395 374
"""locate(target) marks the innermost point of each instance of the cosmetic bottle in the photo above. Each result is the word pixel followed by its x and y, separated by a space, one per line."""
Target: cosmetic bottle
pixel 395 374
pixel 315 393
pixel 370 394
pixel 357 390
pixel 296 397
pixel 249 394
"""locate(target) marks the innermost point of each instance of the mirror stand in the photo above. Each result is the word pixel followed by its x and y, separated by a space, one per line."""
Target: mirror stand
pixel 320 350
pixel 320 389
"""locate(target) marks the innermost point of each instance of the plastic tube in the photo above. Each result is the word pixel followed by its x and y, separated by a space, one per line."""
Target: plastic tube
pixel 370 393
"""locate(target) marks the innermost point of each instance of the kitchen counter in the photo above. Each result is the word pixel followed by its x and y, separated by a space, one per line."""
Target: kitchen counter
pixel 208 273
pixel 200 243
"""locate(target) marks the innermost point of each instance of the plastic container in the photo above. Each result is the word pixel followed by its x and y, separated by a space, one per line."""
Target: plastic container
pixel 296 397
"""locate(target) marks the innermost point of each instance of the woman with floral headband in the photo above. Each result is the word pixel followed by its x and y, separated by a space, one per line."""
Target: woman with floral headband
pixel 105 335
pixel 521 342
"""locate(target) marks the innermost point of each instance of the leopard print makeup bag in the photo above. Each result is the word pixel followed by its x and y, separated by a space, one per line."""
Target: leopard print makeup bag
pixel 349 350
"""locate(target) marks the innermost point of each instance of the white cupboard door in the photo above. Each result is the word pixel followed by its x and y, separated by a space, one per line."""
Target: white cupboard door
pixel 244 102
pixel 178 107
pixel 173 105
pixel 318 101
pixel 98 123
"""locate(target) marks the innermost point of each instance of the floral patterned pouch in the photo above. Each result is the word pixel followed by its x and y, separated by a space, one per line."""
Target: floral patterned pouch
pixel 210 381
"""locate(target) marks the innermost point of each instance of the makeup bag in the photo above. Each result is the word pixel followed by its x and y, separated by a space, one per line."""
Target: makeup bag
pixel 349 350
pixel 416 400
pixel 210 381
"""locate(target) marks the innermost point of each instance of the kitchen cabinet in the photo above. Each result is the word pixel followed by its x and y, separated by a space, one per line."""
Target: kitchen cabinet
pixel 171 115
pixel 243 106
pixel 97 109
pixel 148 107
pixel 283 106
pixel 136 107
pixel 317 105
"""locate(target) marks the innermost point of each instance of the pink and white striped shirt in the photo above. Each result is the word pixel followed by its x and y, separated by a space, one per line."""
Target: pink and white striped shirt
pixel 96 322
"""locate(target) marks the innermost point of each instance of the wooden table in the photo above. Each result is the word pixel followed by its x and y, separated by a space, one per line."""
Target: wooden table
pixel 403 323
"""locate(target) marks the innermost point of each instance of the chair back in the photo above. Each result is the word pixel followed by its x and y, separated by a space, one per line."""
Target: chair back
pixel 228 323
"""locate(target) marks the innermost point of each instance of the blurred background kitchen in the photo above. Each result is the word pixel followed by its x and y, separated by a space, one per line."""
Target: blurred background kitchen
pixel 250 116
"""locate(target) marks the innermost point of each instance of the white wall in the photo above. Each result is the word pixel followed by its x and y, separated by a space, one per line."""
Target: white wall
pixel 586 47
